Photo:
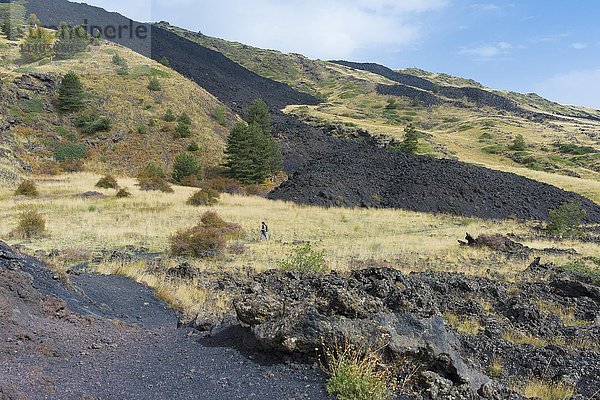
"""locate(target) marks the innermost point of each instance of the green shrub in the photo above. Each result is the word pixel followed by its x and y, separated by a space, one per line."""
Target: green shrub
pixel 593 272
pixel 70 41
pixel 27 188
pixel 92 122
pixel 142 129
pixel 169 116
pixel 184 119
pixel 493 149
pixel 38 45
pixel 305 259
pixel 356 375
pixel 193 147
pixel 519 144
pixel 123 193
pixel 219 115
pixel 567 219
pixel 182 131
pixel 165 61
pixel 31 225
pixel 154 85
pixel 204 198
pixel 107 182
pixel 213 220
pixel 185 165
pixel 70 152
pixel 410 144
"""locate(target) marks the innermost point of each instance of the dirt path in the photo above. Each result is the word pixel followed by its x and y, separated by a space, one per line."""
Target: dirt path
pixel 122 343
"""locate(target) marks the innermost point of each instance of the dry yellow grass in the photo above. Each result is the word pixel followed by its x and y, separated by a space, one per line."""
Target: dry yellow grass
pixel 464 324
pixel 543 390
pixel 406 240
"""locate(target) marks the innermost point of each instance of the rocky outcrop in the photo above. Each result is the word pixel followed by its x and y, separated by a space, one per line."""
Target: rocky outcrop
pixel 521 324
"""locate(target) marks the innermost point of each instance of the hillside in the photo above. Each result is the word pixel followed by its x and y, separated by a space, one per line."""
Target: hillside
pixel 33 129
pixel 311 149
pixel 459 118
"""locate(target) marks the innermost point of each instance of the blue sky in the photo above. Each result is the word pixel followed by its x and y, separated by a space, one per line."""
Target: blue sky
pixel 548 47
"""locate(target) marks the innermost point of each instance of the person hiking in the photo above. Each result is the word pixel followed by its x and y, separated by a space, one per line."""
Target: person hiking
pixel 264 230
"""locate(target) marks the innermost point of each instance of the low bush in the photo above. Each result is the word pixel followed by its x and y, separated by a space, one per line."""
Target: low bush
pixel 107 182
pixel 230 229
pixel 207 197
pixel 27 188
pixel 191 181
pixel 219 115
pixel 72 166
pixel 193 147
pixel 152 178
pixel 356 374
pixel 31 225
pixel 154 85
pixel 224 185
pixel 92 122
pixel 123 193
pixel 70 152
pixel 169 116
pixel 305 259
pixel 257 190
pixel 208 239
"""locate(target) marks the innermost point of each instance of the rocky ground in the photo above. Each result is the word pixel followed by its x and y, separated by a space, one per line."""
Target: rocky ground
pixel 446 335
pixel 544 327
pixel 98 337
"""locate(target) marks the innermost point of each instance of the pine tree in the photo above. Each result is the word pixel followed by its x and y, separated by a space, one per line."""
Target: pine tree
pixel 410 143
pixel 9 29
pixel 252 154
pixel 185 166
pixel 70 41
pixel 258 113
pixel 37 45
pixel 70 93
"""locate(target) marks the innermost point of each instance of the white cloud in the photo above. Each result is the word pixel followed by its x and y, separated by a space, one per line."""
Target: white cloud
pixel 486 52
pixel 579 46
pixel 580 87
pixel 485 7
pixel 317 28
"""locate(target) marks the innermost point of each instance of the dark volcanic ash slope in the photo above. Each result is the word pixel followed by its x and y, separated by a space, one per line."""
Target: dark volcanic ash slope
pixel 367 177
pixel 328 170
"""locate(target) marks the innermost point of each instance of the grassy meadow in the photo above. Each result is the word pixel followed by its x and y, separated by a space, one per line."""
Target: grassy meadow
pixel 406 240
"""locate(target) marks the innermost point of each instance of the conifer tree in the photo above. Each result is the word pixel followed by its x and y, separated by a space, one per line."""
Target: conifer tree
pixel 185 166
pixel 9 29
pixel 258 113
pixel 70 93
pixel 410 143
pixel 252 154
